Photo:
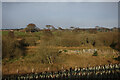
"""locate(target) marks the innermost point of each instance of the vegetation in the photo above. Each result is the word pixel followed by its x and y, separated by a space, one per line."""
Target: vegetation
pixel 31 28
pixel 12 48
pixel 95 53
pixel 42 48
pixel 65 50
pixel 47 54
pixel 118 58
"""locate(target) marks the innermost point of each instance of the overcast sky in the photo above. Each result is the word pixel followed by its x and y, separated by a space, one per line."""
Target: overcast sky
pixel 59 14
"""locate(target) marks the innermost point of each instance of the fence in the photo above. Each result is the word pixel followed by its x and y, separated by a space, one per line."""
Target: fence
pixel 111 71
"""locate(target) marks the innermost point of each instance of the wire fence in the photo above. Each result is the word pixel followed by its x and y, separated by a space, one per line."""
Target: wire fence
pixel 111 71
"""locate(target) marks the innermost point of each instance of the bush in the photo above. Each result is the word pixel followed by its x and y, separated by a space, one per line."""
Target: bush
pixel 47 55
pixel 118 58
pixel 65 50
pixel 30 41
pixel 12 48
pixel 70 40
pixel 95 53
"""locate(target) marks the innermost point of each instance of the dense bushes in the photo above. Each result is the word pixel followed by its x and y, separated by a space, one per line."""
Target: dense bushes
pixel 12 48
pixel 30 41
pixel 47 54
pixel 70 42
pixel 72 39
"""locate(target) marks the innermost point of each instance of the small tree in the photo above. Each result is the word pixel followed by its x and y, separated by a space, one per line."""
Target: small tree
pixel 31 28
pixel 50 27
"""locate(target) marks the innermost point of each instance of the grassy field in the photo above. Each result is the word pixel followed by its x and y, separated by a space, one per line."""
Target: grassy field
pixel 42 51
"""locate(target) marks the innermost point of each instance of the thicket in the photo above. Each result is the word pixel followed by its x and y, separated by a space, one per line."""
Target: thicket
pixel 30 41
pixel 12 48
pixel 48 55
pixel 49 40
pixel 72 39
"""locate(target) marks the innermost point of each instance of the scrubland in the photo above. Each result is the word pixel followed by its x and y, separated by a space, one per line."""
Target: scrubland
pixel 40 51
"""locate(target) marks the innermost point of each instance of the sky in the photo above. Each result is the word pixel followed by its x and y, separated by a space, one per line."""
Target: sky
pixel 59 14
pixel 60 0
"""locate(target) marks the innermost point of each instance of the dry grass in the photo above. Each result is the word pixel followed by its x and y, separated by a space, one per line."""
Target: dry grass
pixel 32 61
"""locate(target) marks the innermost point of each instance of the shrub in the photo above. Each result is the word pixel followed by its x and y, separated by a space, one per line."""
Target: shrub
pixel 30 41
pixel 95 53
pixel 118 58
pixel 12 48
pixel 47 55
pixel 47 33
pixel 65 50
pixel 70 40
